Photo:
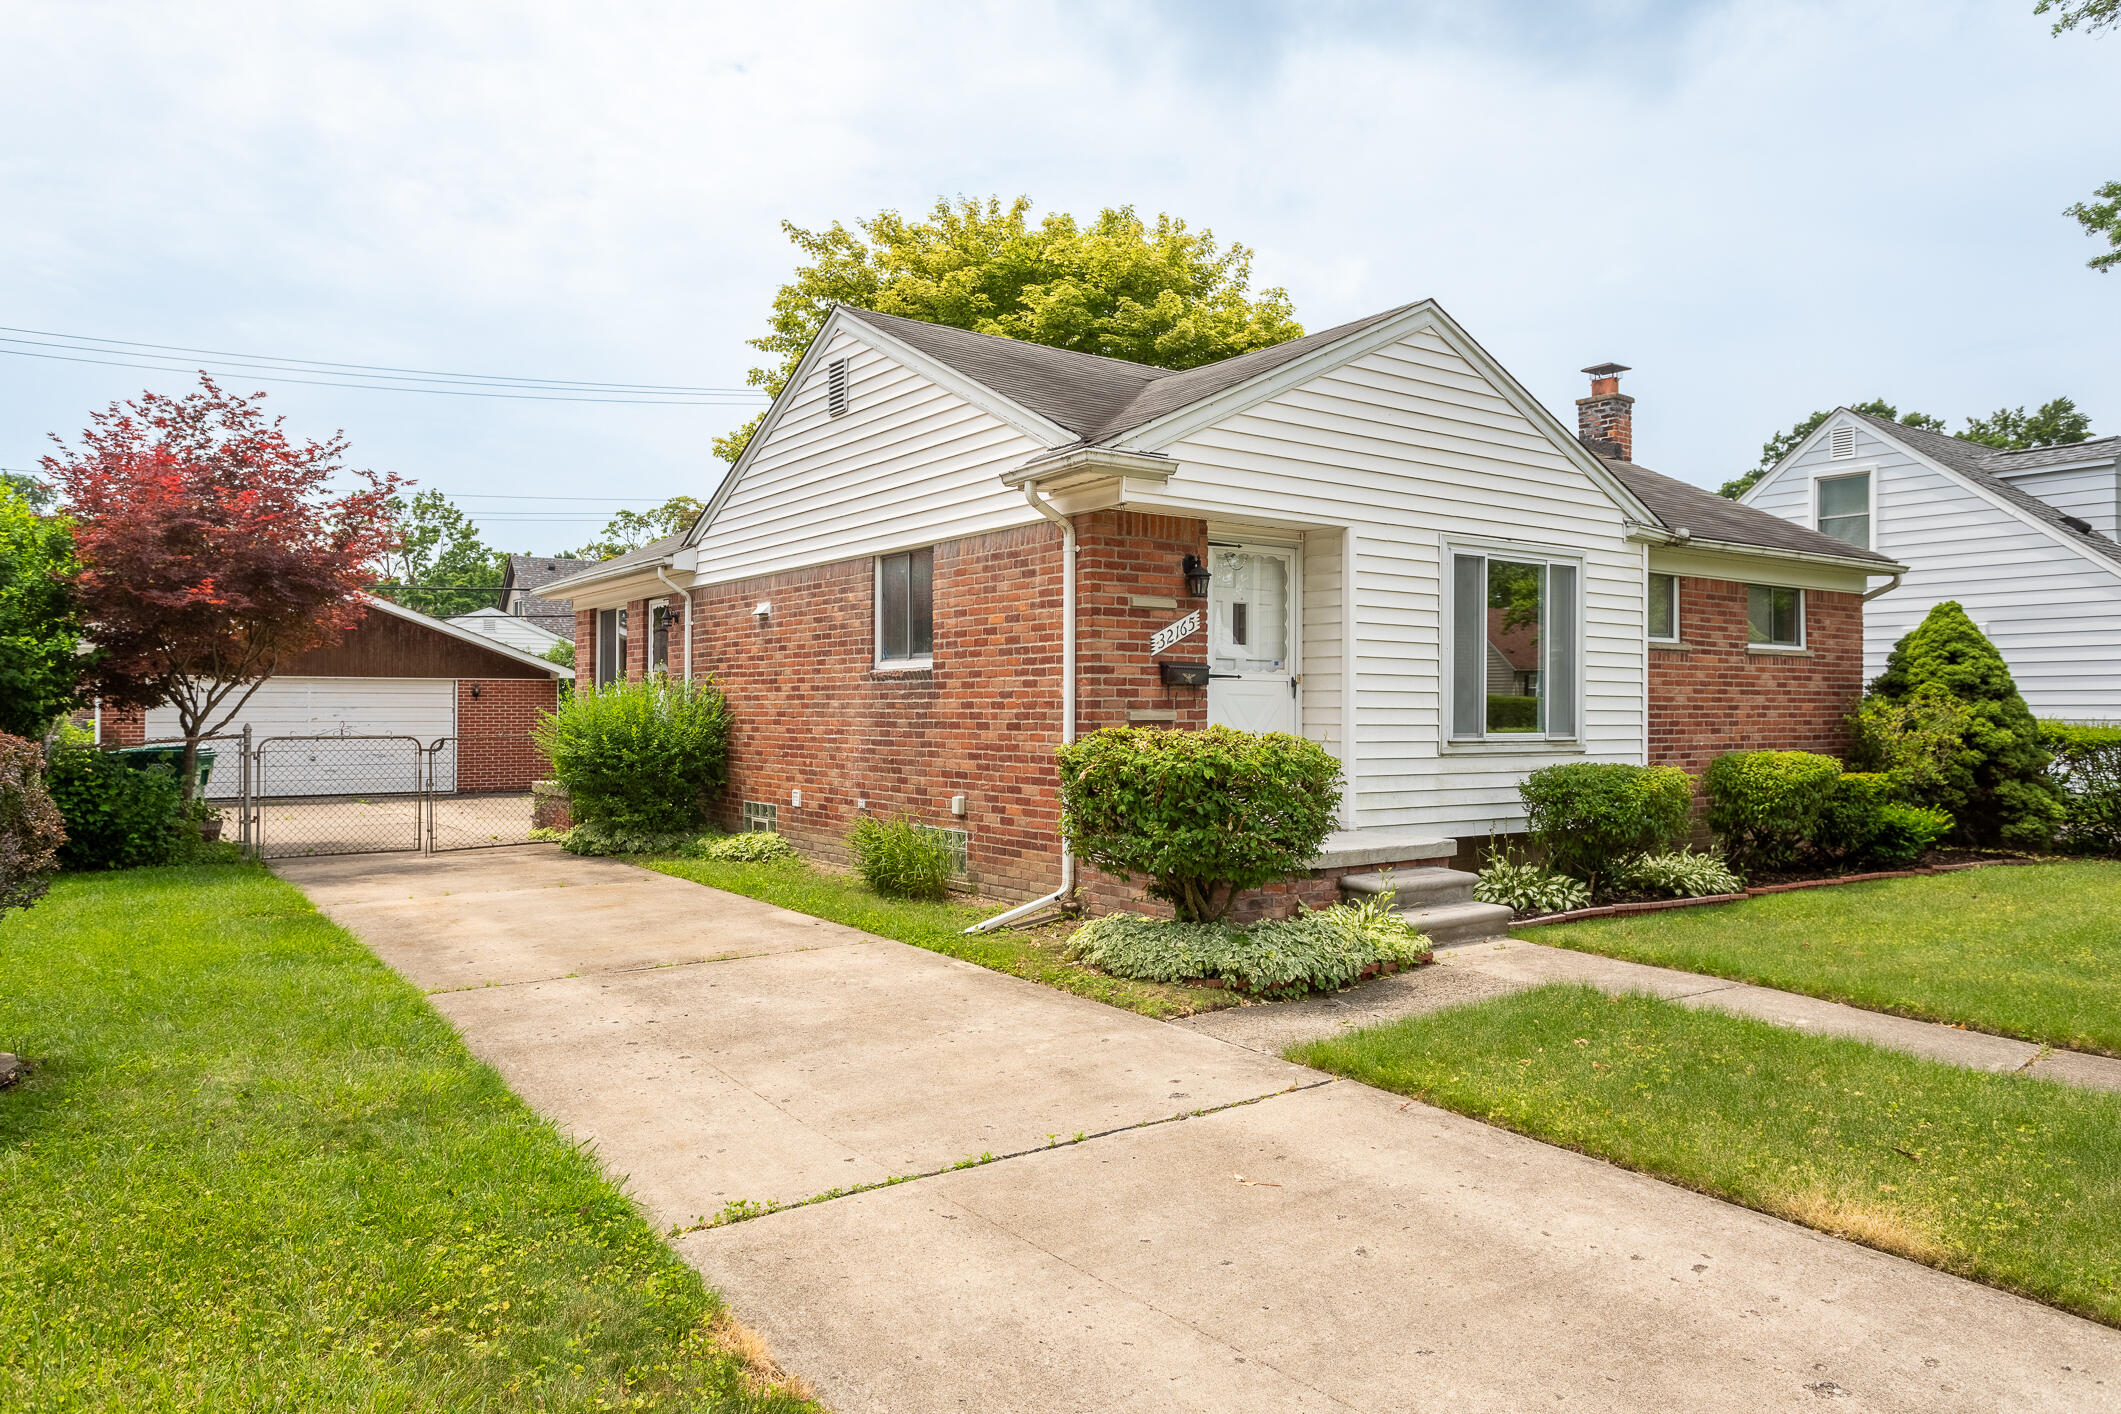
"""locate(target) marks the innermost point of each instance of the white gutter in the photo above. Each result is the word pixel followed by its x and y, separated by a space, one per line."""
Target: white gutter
pixel 686 622
pixel 1067 878
pixel 1886 588
pixel 1657 535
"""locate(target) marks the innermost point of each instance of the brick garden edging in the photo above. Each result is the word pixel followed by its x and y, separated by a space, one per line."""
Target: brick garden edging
pixel 1613 910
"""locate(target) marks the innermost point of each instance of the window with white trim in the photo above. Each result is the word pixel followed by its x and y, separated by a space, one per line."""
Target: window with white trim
pixel 1774 616
pixel 1845 508
pixel 1516 646
pixel 905 608
pixel 1664 608
pixel 611 646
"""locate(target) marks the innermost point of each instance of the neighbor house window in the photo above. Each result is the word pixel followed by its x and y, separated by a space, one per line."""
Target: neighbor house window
pixel 1516 638
pixel 905 608
pixel 1845 508
pixel 611 646
pixel 1774 618
pixel 1664 607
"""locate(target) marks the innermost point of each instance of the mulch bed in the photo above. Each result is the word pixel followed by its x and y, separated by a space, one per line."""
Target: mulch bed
pixel 1937 862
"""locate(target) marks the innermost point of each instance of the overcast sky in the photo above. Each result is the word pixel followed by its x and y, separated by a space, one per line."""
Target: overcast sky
pixel 1763 208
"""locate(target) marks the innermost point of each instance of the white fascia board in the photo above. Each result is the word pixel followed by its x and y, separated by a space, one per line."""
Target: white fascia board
pixel 448 629
pixel 977 394
pixel 638 582
pixel 1183 422
pixel 1701 559
pixel 1071 467
pixel 1665 539
pixel 574 586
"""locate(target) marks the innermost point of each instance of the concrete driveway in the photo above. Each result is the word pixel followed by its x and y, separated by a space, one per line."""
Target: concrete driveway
pixel 1231 1233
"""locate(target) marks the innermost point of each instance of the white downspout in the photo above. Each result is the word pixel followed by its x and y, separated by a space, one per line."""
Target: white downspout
pixel 1067 878
pixel 686 622
pixel 1886 588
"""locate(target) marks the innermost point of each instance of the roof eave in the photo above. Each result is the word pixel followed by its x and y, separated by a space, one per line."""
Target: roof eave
pixel 1076 468
pixel 1658 535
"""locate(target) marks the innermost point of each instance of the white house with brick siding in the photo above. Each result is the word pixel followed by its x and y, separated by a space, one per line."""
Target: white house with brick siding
pixel 2025 541
pixel 944 553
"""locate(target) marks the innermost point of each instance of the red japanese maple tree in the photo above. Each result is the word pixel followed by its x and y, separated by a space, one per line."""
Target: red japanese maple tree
pixel 213 548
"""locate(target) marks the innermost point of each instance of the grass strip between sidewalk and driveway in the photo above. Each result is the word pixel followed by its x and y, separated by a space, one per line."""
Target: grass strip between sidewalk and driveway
pixel 2005 1179
pixel 253 1169
pixel 939 927
pixel 2032 952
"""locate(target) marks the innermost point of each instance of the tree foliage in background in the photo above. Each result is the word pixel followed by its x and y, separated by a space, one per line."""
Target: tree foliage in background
pixel 41 625
pixel 2100 216
pixel 29 488
pixel 2053 424
pixel 630 530
pixel 441 566
pixel 1165 295
pixel 213 548
pixel 1996 785
pixel 1782 443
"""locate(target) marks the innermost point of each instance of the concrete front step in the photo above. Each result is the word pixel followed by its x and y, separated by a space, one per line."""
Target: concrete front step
pixel 1428 886
pixel 1452 923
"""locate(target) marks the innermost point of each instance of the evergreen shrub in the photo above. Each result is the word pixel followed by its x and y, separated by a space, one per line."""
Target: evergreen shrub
pixel 1766 805
pixel 1866 821
pixel 640 759
pixel 1204 815
pixel 1590 816
pixel 2087 770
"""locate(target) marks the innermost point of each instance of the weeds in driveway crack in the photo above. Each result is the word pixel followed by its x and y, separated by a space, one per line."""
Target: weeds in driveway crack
pixel 743 1210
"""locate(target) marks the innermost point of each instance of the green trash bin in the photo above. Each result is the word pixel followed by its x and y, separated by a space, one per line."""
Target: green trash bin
pixel 142 757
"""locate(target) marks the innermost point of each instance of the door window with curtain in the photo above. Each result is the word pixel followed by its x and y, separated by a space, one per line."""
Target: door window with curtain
pixel 1516 643
pixel 1248 631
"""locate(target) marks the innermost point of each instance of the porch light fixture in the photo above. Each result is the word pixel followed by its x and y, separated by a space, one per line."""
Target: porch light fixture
pixel 1198 576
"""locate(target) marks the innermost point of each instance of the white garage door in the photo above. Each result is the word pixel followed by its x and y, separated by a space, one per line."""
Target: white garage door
pixel 424 708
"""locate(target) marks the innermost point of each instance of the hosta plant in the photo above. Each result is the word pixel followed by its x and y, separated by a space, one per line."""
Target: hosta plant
pixel 1530 888
pixel 1680 874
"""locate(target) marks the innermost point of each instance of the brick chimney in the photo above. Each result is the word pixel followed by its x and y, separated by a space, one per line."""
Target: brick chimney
pixel 1605 421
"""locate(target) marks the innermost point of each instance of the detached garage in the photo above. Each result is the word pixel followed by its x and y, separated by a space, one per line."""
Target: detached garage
pixel 398 674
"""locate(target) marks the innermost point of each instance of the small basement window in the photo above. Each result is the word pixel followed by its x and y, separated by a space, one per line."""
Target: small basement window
pixel 761 817
pixel 1845 508
pixel 1664 608
pixel 836 386
pixel 1774 617
pixel 959 843
pixel 905 608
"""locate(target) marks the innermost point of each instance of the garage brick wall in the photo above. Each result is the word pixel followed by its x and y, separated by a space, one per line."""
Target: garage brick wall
pixel 495 751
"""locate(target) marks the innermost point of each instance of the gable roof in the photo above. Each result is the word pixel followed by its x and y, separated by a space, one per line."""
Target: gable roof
pixel 653 553
pixel 463 635
pixel 530 571
pixel 1705 515
pixel 1980 464
pixel 1096 398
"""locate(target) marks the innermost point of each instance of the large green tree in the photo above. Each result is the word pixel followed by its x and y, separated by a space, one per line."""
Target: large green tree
pixel 2101 216
pixel 1164 295
pixel 630 530
pixel 442 566
pixel 41 624
pixel 1780 445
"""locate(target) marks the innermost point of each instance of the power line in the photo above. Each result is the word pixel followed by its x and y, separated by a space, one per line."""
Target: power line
pixel 80 342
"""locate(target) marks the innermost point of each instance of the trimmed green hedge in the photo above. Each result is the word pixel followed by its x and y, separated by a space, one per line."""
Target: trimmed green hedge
pixel 1512 714
pixel 118 815
pixel 1767 804
pixel 2087 769
pixel 1866 821
pixel 640 758
pixel 1590 816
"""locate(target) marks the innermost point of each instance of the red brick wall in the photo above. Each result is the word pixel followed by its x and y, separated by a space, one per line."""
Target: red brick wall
pixel 1713 696
pixel 636 640
pixel 1120 555
pixel 814 714
pixel 494 746
pixel 585 647
pixel 124 726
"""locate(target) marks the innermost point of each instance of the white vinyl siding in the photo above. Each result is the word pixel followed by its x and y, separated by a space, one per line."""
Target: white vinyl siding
pixel 422 708
pixel 2090 493
pixel 2053 611
pixel 1412 445
pixel 908 464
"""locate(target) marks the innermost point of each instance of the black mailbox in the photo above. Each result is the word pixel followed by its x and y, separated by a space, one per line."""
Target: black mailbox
pixel 1184 674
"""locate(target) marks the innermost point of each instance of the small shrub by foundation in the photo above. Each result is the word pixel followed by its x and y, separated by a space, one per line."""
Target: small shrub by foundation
pixel 902 858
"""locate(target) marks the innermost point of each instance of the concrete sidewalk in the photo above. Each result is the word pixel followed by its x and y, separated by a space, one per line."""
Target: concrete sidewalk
pixel 1305 1244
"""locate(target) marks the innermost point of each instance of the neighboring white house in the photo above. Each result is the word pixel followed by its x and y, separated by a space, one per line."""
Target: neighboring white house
pixel 2025 541
pixel 524 633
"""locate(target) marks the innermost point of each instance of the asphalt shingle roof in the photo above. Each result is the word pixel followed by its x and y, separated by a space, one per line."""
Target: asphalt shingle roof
pixel 1096 398
pixel 1680 506
pixel 651 553
pixel 1981 463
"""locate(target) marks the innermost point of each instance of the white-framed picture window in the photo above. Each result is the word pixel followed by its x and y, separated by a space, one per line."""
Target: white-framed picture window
pixel 1516 645
pixel 905 608
pixel 1844 508
pixel 1774 616
pixel 1663 614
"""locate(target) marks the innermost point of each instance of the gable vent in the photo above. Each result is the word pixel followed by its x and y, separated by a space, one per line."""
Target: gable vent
pixel 1844 443
pixel 836 386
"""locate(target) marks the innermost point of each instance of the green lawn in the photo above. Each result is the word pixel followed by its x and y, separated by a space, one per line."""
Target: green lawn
pixel 254 1170
pixel 2008 1180
pixel 940 927
pixel 2032 952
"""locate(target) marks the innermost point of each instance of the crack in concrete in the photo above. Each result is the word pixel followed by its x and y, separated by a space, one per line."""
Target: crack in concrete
pixel 632 971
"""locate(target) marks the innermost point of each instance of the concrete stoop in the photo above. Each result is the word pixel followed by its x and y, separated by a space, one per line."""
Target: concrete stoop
pixel 1437 901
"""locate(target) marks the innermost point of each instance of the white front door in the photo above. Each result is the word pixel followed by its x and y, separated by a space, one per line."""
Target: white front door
pixel 1252 638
